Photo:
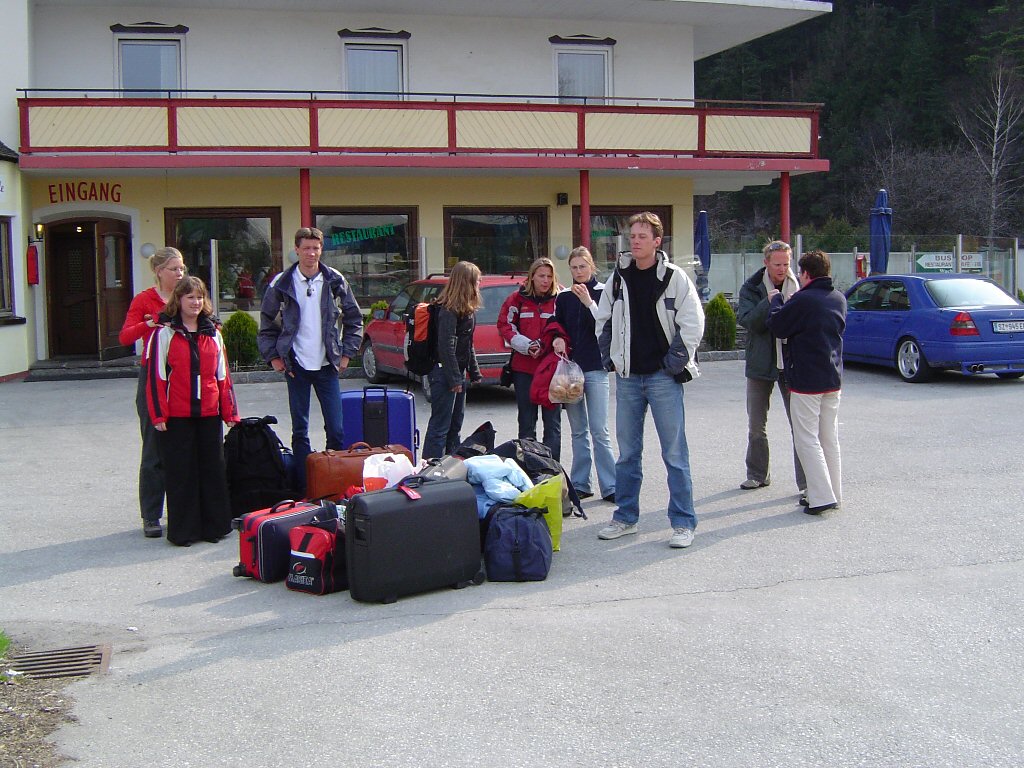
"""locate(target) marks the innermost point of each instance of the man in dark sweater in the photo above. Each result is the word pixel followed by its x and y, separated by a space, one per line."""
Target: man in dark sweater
pixel 812 322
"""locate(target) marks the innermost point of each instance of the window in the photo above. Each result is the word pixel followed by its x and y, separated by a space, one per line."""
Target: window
pixel 864 297
pixel 374 64
pixel 149 58
pixel 609 231
pixel 497 240
pixel 375 248
pixel 583 69
pixel 239 249
pixel 6 280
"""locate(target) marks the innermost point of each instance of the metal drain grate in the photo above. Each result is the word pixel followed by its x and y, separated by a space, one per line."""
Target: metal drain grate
pixel 62 662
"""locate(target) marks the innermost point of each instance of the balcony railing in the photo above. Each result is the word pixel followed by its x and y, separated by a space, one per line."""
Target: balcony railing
pixel 436 128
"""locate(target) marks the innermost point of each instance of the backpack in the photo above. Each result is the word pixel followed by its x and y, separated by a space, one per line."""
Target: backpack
pixel 518 544
pixel 259 467
pixel 421 339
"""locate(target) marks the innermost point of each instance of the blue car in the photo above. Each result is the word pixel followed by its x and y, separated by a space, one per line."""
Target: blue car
pixel 919 324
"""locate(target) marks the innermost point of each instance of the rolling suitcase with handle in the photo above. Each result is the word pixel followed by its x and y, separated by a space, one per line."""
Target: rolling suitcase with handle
pixel 264 547
pixel 380 416
pixel 420 535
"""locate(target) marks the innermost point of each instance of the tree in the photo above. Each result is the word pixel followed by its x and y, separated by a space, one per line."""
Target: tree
pixel 992 125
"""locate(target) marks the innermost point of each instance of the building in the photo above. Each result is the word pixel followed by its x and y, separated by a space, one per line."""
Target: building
pixel 413 133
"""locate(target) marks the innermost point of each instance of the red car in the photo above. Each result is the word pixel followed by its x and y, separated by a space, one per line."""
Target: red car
pixel 384 338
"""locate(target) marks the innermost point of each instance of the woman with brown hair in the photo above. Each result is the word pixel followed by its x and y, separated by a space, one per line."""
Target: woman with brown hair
pixel 168 268
pixel 455 317
pixel 189 392
pixel 521 323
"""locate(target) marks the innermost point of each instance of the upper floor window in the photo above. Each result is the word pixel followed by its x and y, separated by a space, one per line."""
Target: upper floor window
pixel 583 69
pixel 149 58
pixel 374 64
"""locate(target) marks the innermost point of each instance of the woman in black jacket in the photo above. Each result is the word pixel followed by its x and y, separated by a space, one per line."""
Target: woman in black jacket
pixel 455 318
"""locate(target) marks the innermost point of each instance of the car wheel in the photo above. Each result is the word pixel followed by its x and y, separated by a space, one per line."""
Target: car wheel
pixel 1010 375
pixel 370 370
pixel 911 362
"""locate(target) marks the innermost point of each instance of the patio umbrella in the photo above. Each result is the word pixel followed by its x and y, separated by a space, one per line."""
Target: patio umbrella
pixel 880 228
pixel 702 250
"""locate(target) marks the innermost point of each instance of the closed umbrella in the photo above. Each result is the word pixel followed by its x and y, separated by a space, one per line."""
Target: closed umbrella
pixel 880 229
pixel 702 250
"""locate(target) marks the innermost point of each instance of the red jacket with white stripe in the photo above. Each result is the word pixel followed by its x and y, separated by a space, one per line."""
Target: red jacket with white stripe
pixel 521 320
pixel 187 374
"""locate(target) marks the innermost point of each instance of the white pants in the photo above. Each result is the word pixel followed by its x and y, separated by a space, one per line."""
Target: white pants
pixel 816 437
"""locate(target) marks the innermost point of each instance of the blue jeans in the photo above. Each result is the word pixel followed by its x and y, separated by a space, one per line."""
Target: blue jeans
pixel 589 417
pixel 665 397
pixel 527 410
pixel 328 392
pixel 447 409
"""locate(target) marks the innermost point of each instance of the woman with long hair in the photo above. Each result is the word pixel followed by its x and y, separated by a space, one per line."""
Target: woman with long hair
pixel 455 320
pixel 189 393
pixel 521 323
pixel 168 268
pixel 588 419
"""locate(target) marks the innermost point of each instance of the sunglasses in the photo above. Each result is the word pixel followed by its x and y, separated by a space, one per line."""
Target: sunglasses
pixel 778 246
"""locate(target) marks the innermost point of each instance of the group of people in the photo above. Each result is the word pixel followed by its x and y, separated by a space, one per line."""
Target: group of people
pixel 644 325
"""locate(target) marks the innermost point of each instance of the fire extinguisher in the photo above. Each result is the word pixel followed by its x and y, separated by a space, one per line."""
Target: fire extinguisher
pixel 862 265
pixel 32 265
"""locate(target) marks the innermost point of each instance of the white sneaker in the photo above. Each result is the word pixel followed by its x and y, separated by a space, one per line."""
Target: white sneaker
pixel 615 529
pixel 681 538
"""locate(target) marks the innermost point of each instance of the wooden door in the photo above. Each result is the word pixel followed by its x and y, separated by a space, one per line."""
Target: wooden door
pixel 114 284
pixel 71 271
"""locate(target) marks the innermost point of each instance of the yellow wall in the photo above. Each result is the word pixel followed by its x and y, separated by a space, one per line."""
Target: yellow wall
pixel 17 342
pixel 142 200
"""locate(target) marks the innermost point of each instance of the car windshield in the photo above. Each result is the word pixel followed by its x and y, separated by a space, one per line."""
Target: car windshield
pixel 966 292
pixel 493 296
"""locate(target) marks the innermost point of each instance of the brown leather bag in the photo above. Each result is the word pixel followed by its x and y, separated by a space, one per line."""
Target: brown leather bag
pixel 329 473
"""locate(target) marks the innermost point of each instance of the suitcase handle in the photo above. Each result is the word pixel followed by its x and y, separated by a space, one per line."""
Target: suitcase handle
pixel 282 504
pixel 354 447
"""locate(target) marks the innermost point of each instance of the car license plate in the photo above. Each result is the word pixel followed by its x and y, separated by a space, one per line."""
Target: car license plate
pixel 1008 326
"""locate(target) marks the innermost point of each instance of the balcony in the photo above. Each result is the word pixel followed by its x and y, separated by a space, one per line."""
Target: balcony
pixel 193 129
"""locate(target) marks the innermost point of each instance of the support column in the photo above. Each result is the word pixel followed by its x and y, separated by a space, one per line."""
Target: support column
pixel 305 211
pixel 585 209
pixel 784 230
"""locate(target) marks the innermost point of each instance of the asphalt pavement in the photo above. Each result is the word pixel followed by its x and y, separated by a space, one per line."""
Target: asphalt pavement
pixel 887 633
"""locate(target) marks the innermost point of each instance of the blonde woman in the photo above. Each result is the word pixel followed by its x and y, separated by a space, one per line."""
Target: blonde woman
pixel 457 306
pixel 168 268
pixel 521 324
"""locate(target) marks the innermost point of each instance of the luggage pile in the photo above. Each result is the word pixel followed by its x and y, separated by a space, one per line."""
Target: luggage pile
pixel 382 526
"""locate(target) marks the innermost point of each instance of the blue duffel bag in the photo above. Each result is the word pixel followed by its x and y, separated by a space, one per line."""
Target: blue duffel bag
pixel 517 546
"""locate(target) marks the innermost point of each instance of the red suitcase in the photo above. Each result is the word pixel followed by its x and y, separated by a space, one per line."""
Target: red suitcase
pixel 263 544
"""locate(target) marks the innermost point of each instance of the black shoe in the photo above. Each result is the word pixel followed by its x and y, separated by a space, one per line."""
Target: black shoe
pixel 819 510
pixel 804 502
pixel 584 495
pixel 610 498
pixel 752 485
pixel 152 529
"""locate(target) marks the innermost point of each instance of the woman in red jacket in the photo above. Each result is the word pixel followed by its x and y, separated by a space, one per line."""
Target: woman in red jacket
pixel 521 323
pixel 168 268
pixel 189 392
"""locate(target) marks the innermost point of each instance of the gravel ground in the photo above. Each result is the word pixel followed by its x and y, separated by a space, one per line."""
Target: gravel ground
pixel 30 710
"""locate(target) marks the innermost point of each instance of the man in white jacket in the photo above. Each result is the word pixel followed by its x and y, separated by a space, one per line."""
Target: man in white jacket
pixel 649 325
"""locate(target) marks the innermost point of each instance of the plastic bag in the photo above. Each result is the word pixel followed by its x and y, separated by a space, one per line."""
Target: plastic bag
pixel 566 383
pixel 548 495
pixel 392 467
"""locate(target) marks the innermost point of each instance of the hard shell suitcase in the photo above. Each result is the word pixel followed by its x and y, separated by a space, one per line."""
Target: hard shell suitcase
pixel 329 473
pixel 380 416
pixel 263 545
pixel 418 536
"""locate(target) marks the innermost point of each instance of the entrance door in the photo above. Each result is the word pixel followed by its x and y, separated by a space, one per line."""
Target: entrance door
pixel 71 270
pixel 114 284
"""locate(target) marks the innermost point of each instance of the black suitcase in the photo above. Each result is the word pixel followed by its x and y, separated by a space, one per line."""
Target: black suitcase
pixel 418 536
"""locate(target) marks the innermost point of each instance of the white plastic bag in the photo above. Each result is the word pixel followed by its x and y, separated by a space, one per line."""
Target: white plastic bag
pixel 392 467
pixel 566 383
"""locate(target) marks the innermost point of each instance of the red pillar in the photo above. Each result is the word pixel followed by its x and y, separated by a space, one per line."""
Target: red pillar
pixel 305 212
pixel 585 209
pixel 784 207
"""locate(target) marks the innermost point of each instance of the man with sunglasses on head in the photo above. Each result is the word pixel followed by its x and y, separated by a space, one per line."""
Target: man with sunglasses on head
pixel 763 366
pixel 310 327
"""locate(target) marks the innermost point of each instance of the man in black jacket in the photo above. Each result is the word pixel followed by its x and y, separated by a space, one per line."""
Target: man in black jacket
pixel 812 322
pixel 763 367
